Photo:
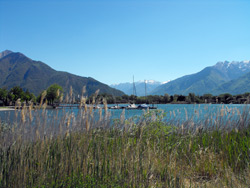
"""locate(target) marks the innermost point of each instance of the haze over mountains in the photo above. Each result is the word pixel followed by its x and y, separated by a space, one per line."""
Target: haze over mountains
pixel 224 77
pixel 127 87
pixel 18 70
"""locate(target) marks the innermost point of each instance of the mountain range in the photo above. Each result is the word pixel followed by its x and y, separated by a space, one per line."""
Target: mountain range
pixel 141 87
pixel 223 77
pixel 18 70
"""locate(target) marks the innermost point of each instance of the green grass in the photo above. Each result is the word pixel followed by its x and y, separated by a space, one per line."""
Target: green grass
pixel 88 152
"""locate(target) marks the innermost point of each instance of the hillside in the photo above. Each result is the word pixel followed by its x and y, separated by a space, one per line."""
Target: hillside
pixel 18 70
pixel 237 86
pixel 205 81
pixel 198 83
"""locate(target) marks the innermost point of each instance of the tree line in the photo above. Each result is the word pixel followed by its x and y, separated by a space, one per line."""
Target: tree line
pixel 9 97
pixel 178 99
pixel 54 94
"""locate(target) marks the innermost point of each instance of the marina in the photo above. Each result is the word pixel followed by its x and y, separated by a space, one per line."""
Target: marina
pixel 115 107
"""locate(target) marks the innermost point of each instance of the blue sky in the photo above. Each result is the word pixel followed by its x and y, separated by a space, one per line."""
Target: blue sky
pixel 113 40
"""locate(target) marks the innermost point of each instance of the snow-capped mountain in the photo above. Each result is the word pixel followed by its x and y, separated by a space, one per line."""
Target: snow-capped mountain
pixel 233 69
pixel 127 87
pixel 210 80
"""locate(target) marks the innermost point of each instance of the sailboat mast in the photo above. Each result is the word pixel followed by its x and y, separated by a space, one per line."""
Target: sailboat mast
pixel 145 87
pixel 134 89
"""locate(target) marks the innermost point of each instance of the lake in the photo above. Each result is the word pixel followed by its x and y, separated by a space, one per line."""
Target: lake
pixel 176 113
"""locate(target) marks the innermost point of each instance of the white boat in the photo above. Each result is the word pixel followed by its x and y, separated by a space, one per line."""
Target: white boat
pixel 115 107
pixel 131 106
pixel 143 106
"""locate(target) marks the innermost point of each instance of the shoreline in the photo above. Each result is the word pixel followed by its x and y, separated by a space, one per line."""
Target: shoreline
pixel 6 108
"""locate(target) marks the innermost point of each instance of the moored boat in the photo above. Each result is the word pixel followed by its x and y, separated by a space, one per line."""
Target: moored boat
pixel 132 107
pixel 115 107
pixel 143 106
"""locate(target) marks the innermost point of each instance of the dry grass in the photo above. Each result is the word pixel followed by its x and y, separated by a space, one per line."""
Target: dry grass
pixel 88 149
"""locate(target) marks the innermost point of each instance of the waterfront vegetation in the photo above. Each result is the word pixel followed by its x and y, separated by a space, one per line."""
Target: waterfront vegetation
pixel 90 150
pixel 54 94
pixel 225 98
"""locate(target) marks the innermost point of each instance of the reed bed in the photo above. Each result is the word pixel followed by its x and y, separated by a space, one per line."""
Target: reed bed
pixel 89 149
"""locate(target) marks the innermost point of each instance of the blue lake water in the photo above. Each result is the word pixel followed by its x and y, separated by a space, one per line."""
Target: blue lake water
pixel 173 112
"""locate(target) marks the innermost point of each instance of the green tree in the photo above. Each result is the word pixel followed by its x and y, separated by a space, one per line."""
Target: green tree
pixel 175 97
pixel 27 96
pixel 191 97
pixel 226 98
pixel 10 98
pixel 18 93
pixel 3 95
pixel 54 92
pixel 207 98
pixel 166 98
pixel 181 98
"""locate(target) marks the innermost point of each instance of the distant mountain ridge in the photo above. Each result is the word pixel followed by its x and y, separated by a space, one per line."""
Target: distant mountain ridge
pixel 209 80
pixel 18 70
pixel 224 77
pixel 127 87
pixel 237 86
pixel 234 69
pixel 4 53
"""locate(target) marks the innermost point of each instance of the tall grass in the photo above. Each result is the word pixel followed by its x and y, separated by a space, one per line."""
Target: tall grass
pixel 89 149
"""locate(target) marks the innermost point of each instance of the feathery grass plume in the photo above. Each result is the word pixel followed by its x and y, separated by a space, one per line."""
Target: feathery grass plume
pixel 57 93
pixel 30 111
pixel 67 134
pixel 17 106
pixel 44 106
pixel 122 117
pixel 95 96
pixel 100 115
pixel 85 105
pixel 87 123
pixel 186 114
pixel 104 101
pixel 93 100
pixel 153 117
pixel 97 92
pixel 182 129
pixel 19 103
pixel 90 109
pixel 81 102
pixel 83 90
pixel 222 112
pixel 38 136
pixel 23 113
pixel 71 94
pixel 67 99
pixel 61 98
pixel 68 120
pixel 44 93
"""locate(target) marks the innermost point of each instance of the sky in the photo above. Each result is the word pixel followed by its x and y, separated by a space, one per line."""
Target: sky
pixel 112 40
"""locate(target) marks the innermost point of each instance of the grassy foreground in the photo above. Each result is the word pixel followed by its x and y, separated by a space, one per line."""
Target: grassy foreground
pixel 83 151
